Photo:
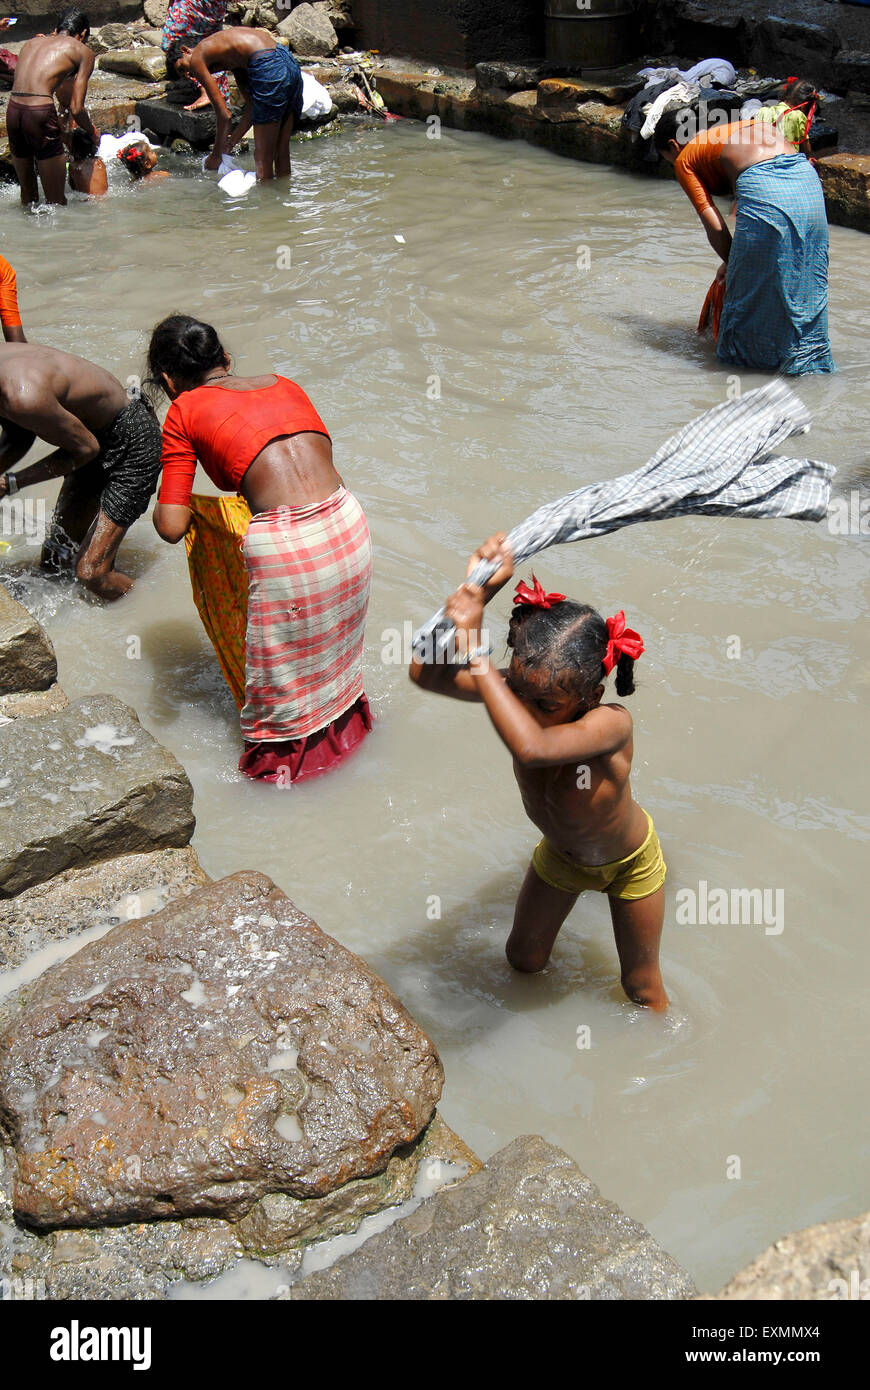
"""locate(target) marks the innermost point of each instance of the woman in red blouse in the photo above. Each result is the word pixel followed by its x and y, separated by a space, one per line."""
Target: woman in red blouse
pixel 307 550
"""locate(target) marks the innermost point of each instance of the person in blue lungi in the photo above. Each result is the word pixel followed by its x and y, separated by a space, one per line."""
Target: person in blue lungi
pixel 774 314
pixel 270 80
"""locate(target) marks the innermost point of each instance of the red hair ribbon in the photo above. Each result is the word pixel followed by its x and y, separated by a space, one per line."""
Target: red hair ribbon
pixel 620 639
pixel 535 597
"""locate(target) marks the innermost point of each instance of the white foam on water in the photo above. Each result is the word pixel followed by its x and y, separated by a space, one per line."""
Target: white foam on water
pixel 249 1279
pixel 94 1039
pixel 431 1177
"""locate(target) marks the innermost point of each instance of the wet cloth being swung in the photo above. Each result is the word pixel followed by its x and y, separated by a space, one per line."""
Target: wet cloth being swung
pixel 721 464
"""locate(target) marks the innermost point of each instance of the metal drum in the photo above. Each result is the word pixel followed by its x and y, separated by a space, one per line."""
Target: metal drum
pixel 590 33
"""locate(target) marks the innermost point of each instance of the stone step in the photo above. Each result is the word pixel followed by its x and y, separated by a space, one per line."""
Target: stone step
pixel 85 785
pixel 189 1063
pixel 529 1225
pixel 118 890
pixel 27 659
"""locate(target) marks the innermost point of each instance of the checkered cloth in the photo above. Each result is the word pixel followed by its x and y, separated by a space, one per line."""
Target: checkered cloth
pixel 719 465
pixel 775 313
pixel 309 577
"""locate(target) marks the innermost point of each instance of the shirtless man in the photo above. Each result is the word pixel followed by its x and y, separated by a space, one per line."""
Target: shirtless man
pixel 107 448
pixel 270 80
pixel 45 64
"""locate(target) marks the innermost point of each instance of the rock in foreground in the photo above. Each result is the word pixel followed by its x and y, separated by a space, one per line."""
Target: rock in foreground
pixel 529 1225
pixel 84 785
pixel 27 660
pixel 190 1063
pixel 830 1261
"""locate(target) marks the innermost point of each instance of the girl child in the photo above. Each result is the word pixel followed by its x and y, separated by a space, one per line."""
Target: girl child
pixel 793 116
pixel 572 757
pixel 140 161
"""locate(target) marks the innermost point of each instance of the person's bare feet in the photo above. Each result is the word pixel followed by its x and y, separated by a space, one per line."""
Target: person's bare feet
pixel 200 102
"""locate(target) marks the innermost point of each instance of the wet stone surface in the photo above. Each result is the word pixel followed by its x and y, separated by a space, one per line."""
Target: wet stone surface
pixel 191 1062
pixel 84 785
pixel 529 1225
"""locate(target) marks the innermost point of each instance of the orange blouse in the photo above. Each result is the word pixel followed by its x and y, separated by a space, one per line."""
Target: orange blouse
pixel 9 315
pixel 698 166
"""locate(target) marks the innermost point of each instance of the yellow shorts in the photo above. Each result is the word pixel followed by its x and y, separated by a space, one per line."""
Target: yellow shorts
pixel 636 876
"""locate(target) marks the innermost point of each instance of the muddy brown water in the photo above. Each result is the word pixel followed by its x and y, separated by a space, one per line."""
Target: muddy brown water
pixel 468 373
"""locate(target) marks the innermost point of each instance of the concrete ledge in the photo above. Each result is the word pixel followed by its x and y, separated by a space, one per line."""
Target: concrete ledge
pixel 560 116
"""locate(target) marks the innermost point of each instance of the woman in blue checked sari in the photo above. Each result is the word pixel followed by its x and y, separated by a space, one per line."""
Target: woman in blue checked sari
pixel 775 271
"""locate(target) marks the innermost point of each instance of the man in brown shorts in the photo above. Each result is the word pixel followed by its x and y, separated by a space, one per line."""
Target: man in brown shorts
pixel 32 121
pixel 107 450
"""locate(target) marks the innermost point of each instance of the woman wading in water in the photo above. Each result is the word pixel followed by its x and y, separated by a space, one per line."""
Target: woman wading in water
pixel 307 549
pixel 775 307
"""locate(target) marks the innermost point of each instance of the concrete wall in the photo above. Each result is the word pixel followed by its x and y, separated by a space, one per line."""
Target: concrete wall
pixel 456 33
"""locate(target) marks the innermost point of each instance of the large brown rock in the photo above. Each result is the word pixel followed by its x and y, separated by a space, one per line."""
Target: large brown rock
pixel 146 1260
pixel 84 785
pixel 192 1062
pixel 27 660
pixel 830 1261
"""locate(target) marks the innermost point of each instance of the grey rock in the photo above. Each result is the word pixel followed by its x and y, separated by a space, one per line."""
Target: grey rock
pixel 507 77
pixel 529 1225
pixel 852 70
pixel 119 890
pixel 151 37
pixel 182 147
pixel 27 704
pixel 263 14
pixel 68 798
pixel 156 12
pixel 148 64
pixel 309 31
pixel 27 659
pixel 338 12
pixel 191 1062
pixel 830 1261
pixel 116 36
pixel 172 122
pixel 785 36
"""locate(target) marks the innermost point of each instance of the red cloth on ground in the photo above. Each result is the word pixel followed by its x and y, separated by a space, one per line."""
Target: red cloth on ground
pixel 226 428
pixel 296 759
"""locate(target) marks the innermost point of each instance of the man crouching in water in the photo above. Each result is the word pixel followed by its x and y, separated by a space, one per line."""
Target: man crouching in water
pixel 46 63
pixel 107 448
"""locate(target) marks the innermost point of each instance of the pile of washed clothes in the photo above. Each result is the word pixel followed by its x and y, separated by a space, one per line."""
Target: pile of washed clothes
pixel 713 90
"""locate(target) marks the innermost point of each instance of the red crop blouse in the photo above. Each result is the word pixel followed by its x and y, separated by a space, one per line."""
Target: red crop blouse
pixel 225 429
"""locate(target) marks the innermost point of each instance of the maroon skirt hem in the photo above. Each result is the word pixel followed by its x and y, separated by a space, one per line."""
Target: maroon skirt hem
pixel 295 759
